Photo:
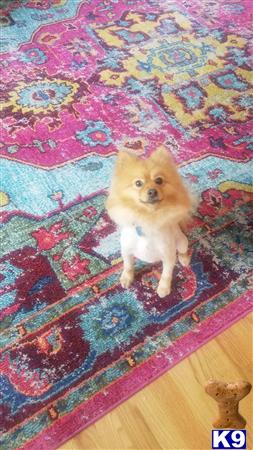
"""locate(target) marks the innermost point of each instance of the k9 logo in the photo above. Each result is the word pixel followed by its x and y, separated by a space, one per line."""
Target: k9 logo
pixel 228 439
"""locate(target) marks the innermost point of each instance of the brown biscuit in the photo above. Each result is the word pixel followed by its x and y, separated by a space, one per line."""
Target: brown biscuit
pixel 228 396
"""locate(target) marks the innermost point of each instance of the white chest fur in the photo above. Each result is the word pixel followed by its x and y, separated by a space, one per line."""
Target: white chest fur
pixel 149 247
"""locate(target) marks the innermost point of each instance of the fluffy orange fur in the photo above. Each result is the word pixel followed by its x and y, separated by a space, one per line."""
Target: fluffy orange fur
pixel 128 203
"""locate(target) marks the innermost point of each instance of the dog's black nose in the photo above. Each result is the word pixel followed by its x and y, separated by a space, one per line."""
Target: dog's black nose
pixel 152 194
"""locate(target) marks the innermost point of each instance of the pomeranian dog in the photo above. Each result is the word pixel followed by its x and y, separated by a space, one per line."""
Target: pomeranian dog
pixel 150 203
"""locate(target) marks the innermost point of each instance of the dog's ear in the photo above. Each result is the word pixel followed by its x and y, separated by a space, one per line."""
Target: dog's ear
pixel 161 155
pixel 124 158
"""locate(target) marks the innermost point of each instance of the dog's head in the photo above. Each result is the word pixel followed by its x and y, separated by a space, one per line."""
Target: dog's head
pixel 150 189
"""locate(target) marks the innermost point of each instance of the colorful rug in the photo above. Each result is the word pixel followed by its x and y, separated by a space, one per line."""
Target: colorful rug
pixel 80 80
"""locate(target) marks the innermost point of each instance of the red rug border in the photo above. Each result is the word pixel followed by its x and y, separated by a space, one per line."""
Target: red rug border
pixel 72 423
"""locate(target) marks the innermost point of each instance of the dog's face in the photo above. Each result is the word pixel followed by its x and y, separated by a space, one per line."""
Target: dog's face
pixel 147 186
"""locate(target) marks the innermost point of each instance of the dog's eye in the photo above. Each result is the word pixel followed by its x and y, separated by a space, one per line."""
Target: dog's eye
pixel 159 180
pixel 138 183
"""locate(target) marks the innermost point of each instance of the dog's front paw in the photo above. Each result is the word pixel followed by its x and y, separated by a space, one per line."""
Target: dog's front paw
pixel 126 278
pixel 163 289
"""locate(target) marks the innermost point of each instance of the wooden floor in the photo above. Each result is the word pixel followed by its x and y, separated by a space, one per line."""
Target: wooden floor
pixel 174 412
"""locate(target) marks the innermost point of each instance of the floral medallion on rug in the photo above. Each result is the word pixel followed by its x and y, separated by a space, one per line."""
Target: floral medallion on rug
pixel 80 80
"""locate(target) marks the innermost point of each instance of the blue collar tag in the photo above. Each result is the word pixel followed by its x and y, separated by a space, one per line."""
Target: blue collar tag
pixel 139 231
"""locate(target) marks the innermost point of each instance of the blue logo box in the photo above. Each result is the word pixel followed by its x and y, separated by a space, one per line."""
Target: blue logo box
pixel 227 439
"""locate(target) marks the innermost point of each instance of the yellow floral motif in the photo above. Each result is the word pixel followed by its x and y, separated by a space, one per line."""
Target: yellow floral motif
pixel 213 93
pixel 41 96
pixel 108 34
pixel 208 51
pixel 164 69
pixel 174 60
